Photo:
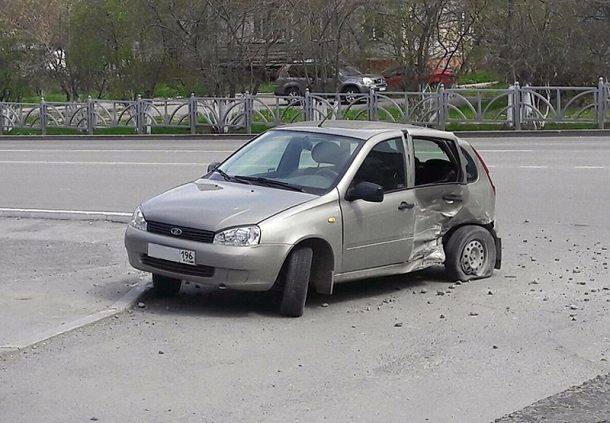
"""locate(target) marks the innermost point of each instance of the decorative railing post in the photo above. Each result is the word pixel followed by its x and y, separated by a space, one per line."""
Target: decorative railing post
pixel 90 116
pixel 248 111
pixel 441 111
pixel 307 105
pixel 516 93
pixel 602 103
pixel 2 124
pixel 139 115
pixel 372 105
pixel 193 114
pixel 43 116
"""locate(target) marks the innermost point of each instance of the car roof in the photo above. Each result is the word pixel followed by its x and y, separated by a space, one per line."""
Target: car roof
pixel 364 129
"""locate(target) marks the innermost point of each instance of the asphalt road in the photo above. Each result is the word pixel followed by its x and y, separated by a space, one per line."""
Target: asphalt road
pixel 550 180
pixel 485 349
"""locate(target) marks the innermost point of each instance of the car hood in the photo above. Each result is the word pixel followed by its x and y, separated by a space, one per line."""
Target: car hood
pixel 359 77
pixel 216 205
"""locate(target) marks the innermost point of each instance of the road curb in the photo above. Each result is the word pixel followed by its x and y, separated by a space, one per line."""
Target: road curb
pixel 118 217
pixel 143 137
pixel 124 303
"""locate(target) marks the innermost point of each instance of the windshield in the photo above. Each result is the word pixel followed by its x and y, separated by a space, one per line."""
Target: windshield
pixel 305 161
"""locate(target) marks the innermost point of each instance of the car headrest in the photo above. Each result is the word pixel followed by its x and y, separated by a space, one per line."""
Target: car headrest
pixel 326 152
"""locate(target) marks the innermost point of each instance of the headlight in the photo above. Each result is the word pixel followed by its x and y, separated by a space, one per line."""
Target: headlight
pixel 239 237
pixel 137 220
pixel 367 81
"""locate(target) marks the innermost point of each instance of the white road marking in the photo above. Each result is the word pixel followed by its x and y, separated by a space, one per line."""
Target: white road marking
pixel 59 212
pixel 545 167
pixel 67 150
pixel 501 151
pixel 589 167
pixel 45 162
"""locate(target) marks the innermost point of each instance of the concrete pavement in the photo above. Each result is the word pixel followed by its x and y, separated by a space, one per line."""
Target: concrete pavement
pixel 56 273
pixel 480 351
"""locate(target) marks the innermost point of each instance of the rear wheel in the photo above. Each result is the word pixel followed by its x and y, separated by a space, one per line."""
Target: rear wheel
pixel 166 287
pixel 296 281
pixel 470 254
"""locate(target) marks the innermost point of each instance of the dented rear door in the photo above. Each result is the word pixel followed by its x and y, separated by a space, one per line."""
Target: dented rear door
pixel 440 194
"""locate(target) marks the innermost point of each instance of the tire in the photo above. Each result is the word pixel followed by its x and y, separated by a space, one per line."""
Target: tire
pixel 296 281
pixel 470 254
pixel 293 92
pixel 166 287
pixel 350 93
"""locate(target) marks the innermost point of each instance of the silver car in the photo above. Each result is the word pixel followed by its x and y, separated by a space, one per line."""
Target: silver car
pixel 311 205
pixel 293 80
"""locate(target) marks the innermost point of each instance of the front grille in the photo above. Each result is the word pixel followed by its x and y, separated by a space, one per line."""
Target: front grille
pixel 185 269
pixel 378 81
pixel 191 234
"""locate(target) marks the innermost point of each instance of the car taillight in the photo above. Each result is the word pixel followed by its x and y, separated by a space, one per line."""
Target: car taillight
pixel 493 187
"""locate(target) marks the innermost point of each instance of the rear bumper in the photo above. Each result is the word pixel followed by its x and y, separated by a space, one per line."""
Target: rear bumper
pixel 241 268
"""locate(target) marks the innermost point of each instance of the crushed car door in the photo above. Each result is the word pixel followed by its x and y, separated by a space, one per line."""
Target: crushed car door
pixel 440 193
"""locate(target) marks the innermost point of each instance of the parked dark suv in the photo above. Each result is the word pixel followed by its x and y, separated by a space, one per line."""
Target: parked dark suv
pixel 293 79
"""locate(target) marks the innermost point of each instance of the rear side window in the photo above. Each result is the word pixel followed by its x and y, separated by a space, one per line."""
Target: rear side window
pixel 434 162
pixel 472 174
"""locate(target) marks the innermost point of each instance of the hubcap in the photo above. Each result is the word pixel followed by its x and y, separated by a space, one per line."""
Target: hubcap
pixel 473 258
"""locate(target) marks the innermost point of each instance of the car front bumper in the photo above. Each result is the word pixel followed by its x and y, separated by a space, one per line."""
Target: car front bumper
pixel 242 268
pixel 376 87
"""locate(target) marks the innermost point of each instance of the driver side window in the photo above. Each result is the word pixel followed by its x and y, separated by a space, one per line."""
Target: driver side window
pixel 385 166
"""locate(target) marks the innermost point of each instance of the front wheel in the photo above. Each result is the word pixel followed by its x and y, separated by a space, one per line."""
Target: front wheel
pixel 351 94
pixel 470 254
pixel 166 287
pixel 296 281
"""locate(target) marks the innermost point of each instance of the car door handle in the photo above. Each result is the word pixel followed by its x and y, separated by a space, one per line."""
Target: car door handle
pixel 404 206
pixel 452 198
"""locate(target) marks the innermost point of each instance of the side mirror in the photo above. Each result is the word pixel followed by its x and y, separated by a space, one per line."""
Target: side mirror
pixel 366 191
pixel 212 166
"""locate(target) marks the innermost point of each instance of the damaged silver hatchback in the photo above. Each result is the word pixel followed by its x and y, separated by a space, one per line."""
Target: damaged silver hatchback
pixel 306 207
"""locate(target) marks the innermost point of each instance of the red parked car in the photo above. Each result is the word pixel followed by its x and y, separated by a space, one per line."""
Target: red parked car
pixel 396 75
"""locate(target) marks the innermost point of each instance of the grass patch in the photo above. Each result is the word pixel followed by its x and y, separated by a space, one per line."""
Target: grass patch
pixel 478 77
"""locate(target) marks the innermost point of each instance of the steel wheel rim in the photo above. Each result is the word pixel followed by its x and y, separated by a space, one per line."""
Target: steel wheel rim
pixel 473 258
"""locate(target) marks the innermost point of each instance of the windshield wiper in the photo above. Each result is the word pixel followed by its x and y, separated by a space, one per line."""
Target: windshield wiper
pixel 231 178
pixel 272 182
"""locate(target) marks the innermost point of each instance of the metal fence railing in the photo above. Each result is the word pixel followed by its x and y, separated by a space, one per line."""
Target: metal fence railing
pixel 516 107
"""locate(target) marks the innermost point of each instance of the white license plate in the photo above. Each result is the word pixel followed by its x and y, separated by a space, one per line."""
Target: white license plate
pixel 171 254
pixel 382 88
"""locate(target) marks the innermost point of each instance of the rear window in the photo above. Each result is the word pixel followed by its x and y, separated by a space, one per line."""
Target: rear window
pixel 472 174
